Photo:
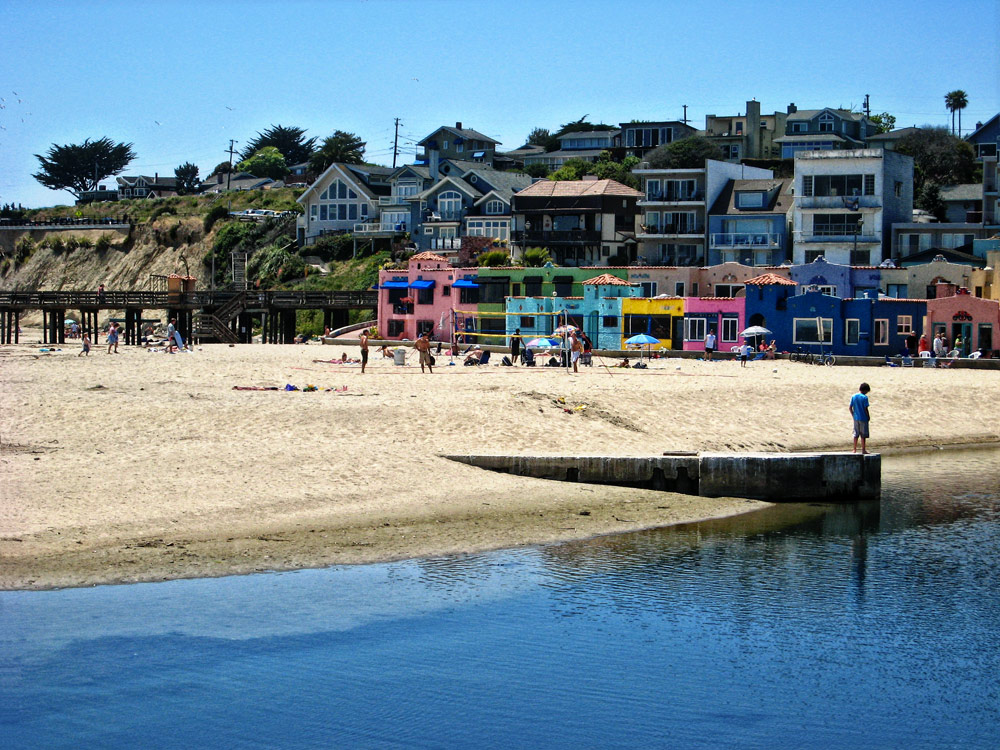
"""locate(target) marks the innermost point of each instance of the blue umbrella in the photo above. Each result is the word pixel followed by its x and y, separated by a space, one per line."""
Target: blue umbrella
pixel 641 339
pixel 542 343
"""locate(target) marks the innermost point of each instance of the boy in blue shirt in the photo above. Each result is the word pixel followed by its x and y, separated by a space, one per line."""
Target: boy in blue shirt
pixel 861 416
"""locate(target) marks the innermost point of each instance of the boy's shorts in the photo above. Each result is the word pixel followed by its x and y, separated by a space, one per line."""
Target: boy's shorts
pixel 860 429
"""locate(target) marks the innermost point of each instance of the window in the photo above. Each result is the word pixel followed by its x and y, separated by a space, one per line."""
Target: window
pixel 904 325
pixel 444 145
pixel 609 321
pixel 648 289
pixel 750 200
pixel 653 190
pixel 425 325
pixel 515 290
pixel 446 291
pixel 313 211
pixel 914 243
pixel 679 288
pixel 728 290
pixel 730 329
pixel 564 285
pixel 807 330
pixel 695 329
pixel 986 149
pixel 425 296
pixel 459 146
pixel 449 205
pixel 881 332
pixel 493 290
pixel 899 291
pixel 527 321
pixel 826 123
pixel 829 289
pixel 800 127
pixel 841 184
pixel 898 189
pixel 812 255
pixel 494 207
pixel 869 184
pixel 953 240
pixel 852 331
pixel 396 328
pixel 532 286
pixel 497 229
pixel 861 257
pixel 836 225
pixel 985 336
pixel 807 185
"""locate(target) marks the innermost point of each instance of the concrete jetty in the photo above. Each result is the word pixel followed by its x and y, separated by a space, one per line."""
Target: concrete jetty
pixel 776 477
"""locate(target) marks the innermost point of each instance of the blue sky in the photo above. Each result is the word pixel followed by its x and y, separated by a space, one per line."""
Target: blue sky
pixel 178 79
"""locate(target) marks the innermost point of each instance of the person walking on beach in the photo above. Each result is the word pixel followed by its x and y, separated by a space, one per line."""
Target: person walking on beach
pixel 86 345
pixel 515 346
pixel 171 328
pixel 423 346
pixel 363 341
pixel 709 345
pixel 745 351
pixel 861 415
pixel 113 338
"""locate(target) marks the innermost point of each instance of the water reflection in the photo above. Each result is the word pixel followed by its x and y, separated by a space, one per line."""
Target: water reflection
pixel 778 629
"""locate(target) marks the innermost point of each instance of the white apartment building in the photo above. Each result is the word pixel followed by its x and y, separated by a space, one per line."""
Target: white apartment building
pixel 846 202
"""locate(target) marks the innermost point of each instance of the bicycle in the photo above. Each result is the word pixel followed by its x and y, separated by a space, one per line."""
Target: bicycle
pixel 800 355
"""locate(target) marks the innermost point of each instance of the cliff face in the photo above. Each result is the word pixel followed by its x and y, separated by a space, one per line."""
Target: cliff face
pixel 162 247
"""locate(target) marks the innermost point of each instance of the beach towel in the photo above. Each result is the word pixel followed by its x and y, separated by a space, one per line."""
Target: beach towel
pixel 255 388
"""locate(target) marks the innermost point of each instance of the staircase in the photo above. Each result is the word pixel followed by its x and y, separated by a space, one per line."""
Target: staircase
pixel 215 325
pixel 239 261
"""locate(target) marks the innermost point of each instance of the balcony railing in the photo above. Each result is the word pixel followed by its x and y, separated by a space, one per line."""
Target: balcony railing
pixel 378 228
pixel 835 236
pixel 670 196
pixel 394 200
pixel 571 235
pixel 446 243
pixel 747 240
pixel 838 201
pixel 668 229
pixel 433 216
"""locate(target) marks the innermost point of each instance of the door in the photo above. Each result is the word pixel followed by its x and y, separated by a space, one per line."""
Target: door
pixel 965 331
pixel 677 332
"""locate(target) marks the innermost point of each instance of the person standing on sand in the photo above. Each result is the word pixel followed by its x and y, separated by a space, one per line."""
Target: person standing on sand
pixel 113 338
pixel 861 415
pixel 86 345
pixel 363 341
pixel 575 349
pixel 423 346
pixel 171 327
pixel 709 345
pixel 515 346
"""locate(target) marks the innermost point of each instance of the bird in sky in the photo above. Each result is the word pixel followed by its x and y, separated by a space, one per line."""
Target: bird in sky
pixel 157 122
pixel 229 108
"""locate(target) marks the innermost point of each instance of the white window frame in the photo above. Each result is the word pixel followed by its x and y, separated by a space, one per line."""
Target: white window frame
pixel 679 288
pixel 756 199
pixel 849 324
pixel 494 208
pixel 648 288
pixel 696 325
pixel 881 333
pixel 827 324
pixel 730 329
pixel 904 325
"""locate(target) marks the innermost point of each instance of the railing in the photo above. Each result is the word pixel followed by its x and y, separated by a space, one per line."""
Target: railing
pixel 394 200
pixel 443 216
pixel 185 300
pixel 671 229
pixel 571 235
pixel 446 243
pixel 654 196
pixel 973 217
pixel 838 236
pixel 838 201
pixel 743 239
pixel 79 223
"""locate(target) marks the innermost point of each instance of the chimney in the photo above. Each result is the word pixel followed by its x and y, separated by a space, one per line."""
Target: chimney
pixel 458 126
pixel 792 109
pixel 156 177
pixel 753 129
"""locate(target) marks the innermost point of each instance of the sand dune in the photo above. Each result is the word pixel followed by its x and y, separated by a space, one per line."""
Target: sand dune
pixel 144 466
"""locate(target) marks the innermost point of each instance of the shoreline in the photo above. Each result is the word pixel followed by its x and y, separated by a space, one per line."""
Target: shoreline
pixel 145 467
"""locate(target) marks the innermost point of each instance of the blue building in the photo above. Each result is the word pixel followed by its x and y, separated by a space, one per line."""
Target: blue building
pixel 748 223
pixel 835 279
pixel 598 313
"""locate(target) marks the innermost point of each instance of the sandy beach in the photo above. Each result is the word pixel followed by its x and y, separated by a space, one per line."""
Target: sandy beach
pixel 146 466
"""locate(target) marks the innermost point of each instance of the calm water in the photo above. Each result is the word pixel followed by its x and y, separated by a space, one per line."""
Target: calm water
pixel 802 627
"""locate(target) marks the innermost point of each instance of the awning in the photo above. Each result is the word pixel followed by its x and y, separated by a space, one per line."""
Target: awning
pixel 478 154
pixel 394 285
pixel 466 284
pixel 422 284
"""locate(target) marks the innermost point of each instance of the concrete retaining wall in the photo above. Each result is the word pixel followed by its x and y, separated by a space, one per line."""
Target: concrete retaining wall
pixel 777 477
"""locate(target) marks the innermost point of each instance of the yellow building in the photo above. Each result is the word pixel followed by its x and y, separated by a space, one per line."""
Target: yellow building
pixel 985 282
pixel 661 318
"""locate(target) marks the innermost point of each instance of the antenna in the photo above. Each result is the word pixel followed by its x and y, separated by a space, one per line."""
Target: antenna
pixel 229 174
pixel 395 145
pixel 685 118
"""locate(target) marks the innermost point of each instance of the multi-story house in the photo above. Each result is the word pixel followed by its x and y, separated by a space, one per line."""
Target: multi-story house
pixel 986 141
pixel 342 199
pixel 748 223
pixel 639 138
pixel 846 202
pixel 580 222
pixel 746 136
pixel 143 186
pixel 674 206
pixel 823 129
pixel 475 202
pixel 583 145
pixel 457 142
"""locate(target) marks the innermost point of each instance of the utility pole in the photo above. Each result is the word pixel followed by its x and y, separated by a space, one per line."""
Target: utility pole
pixel 395 145
pixel 229 174
pixel 685 118
pixel 868 108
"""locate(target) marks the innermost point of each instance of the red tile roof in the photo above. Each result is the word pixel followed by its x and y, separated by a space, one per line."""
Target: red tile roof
pixel 430 256
pixel 575 188
pixel 768 279
pixel 606 279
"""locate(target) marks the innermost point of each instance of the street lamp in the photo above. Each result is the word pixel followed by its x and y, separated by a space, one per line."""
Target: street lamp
pixel 857 231
pixel 524 240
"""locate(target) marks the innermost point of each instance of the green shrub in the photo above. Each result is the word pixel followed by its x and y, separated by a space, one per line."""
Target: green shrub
pixel 274 264
pixel 23 249
pixel 332 247
pixel 494 258
pixel 216 213
pixel 161 210
pixel 84 243
pixel 56 244
pixel 103 243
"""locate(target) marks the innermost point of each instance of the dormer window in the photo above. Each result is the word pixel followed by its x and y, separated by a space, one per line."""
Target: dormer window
pixel 826 123
pixel 750 199
pixel 800 127
pixel 494 207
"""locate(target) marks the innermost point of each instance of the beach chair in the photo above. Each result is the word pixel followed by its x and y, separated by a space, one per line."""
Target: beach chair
pixel 587 359
pixel 528 357
pixel 907 361
pixel 484 359
pixel 760 355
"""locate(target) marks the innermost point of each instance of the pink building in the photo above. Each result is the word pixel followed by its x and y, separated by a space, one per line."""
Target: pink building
pixel 725 316
pixel 422 297
pixel 975 319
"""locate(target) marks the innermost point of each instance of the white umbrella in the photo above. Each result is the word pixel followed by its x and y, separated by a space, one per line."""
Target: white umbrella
pixel 755 331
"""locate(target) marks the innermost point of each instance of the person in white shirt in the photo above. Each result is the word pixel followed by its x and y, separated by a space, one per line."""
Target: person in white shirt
pixel 709 345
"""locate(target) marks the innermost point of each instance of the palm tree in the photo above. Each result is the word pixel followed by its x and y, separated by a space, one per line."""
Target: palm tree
pixel 956 101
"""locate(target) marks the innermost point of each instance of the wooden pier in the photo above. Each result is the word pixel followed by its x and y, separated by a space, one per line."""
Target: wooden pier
pixel 221 315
